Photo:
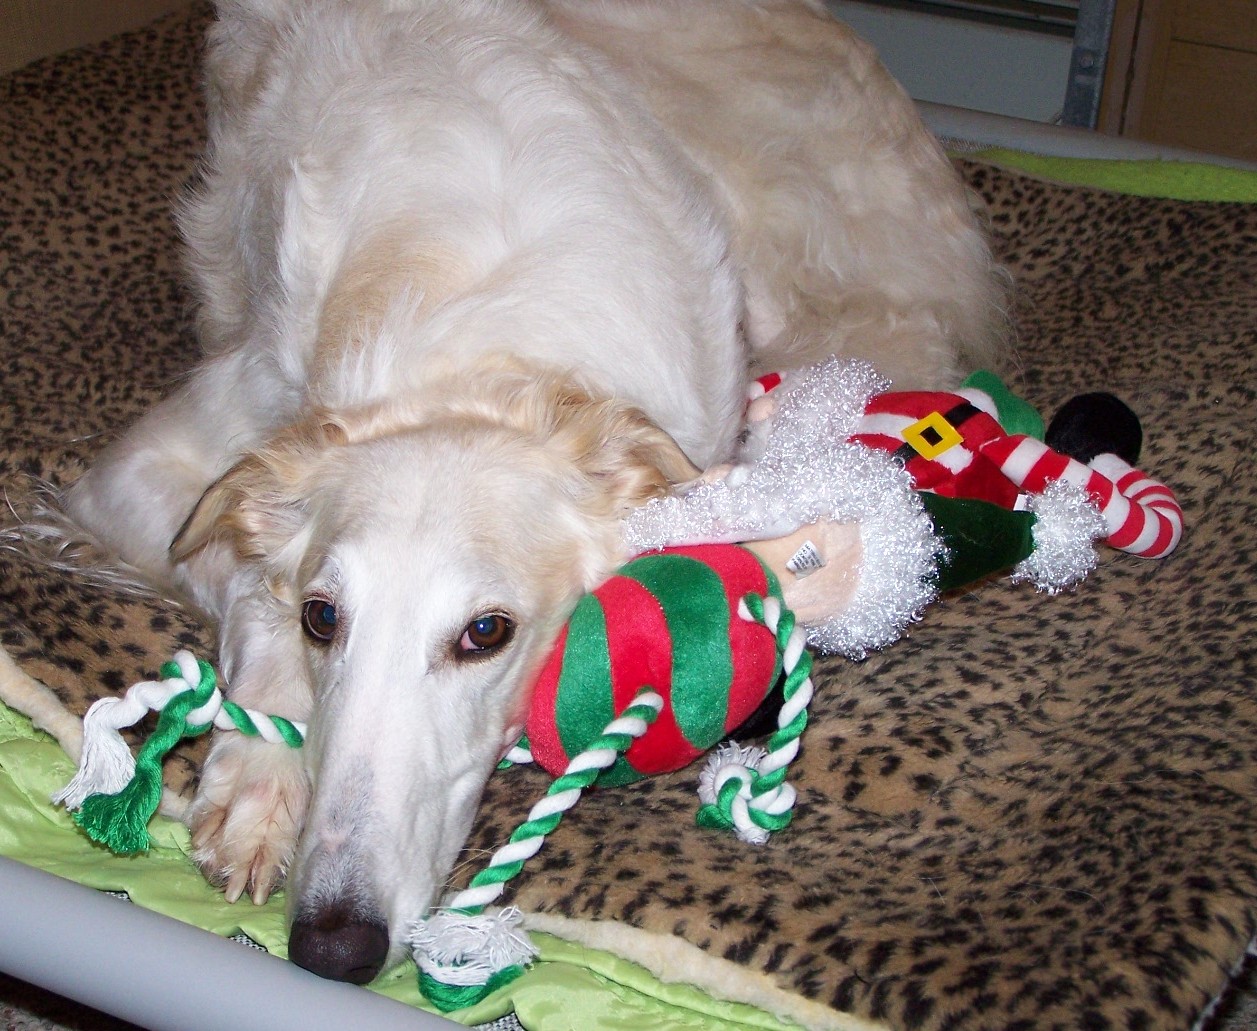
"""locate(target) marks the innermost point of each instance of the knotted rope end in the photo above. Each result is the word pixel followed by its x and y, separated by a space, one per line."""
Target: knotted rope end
pixel 464 957
pixel 114 795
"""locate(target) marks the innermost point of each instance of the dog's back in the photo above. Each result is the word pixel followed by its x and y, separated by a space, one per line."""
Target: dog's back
pixel 852 232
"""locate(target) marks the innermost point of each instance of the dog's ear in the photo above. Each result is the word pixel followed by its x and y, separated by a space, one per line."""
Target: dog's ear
pixel 259 503
pixel 248 505
pixel 627 457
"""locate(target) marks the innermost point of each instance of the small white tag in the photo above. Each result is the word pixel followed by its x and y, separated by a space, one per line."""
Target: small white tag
pixel 806 560
pixel 1022 504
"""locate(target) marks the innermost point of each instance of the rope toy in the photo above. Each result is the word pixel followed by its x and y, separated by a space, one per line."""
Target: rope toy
pixel 865 504
pixel 114 795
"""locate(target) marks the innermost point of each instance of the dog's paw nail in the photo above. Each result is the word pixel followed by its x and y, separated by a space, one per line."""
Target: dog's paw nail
pixel 267 876
pixel 236 883
pixel 244 822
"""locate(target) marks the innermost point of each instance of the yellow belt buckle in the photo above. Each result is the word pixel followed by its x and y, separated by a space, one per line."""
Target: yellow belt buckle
pixel 931 436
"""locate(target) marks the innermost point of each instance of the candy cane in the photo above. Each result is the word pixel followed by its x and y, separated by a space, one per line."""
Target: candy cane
pixel 1141 514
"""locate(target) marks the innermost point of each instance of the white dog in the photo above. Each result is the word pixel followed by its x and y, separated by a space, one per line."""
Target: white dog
pixel 476 277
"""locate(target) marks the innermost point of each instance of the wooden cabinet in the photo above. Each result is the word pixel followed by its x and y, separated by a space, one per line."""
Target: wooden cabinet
pixel 1184 73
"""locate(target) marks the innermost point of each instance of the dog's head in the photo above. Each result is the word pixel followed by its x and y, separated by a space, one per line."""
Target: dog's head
pixel 426 558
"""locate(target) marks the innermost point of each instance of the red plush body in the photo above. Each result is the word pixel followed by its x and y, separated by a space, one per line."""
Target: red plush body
pixel 668 621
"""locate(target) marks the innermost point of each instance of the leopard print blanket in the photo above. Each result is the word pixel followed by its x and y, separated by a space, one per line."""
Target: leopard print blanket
pixel 1032 812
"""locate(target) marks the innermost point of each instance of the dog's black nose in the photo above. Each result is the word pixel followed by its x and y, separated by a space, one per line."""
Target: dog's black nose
pixel 339 945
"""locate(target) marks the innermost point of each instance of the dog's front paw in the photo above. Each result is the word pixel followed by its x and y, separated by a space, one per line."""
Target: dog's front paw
pixel 247 814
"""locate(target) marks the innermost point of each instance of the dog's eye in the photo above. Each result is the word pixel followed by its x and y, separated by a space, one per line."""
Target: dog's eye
pixel 486 634
pixel 318 620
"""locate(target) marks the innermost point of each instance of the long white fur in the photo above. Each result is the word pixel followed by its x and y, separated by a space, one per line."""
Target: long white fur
pixel 475 278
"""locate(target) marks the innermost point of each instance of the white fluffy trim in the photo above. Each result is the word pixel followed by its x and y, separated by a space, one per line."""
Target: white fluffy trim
pixel 809 471
pixel 1067 525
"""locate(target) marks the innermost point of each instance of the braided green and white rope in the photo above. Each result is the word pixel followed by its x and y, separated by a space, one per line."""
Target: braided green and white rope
pixel 462 952
pixel 745 789
pixel 517 755
pixel 113 794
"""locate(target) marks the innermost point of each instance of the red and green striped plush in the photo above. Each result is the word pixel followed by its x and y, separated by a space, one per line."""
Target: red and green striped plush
pixel 668 621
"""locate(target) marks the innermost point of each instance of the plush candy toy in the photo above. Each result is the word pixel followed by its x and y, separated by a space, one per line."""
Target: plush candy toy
pixel 642 629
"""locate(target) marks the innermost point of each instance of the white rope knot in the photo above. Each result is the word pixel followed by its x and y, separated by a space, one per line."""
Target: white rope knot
pixel 106 764
pixel 744 764
pixel 462 949
pixel 761 801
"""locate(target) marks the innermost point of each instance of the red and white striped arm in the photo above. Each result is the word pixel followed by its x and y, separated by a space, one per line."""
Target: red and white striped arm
pixel 1155 524
pixel 1142 515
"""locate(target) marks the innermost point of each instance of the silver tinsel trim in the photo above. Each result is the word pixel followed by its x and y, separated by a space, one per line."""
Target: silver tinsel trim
pixel 1067 525
pixel 808 471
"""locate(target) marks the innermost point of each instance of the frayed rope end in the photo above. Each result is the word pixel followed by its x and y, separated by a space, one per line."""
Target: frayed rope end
pixel 120 821
pixel 464 957
pixel 116 796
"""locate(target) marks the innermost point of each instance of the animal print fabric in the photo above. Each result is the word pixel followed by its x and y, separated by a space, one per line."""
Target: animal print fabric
pixel 1033 812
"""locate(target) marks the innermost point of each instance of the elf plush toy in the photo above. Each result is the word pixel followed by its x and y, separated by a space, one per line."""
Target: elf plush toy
pixel 868 503
pixel 957 446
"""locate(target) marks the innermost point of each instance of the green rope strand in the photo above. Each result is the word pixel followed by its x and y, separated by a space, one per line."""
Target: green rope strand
pixel 455 947
pixel 782 745
pixel 562 794
pixel 246 721
pixel 120 821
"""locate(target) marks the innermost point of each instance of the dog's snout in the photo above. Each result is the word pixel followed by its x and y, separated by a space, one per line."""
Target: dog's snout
pixel 340 945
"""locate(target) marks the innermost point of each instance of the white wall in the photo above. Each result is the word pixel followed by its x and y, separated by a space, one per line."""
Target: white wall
pixel 966 64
